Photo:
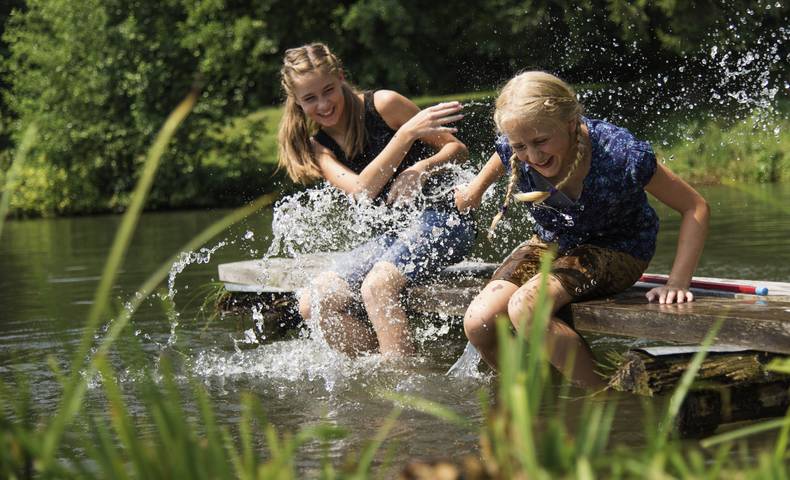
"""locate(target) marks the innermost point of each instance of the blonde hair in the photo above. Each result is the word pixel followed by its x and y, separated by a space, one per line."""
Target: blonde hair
pixel 529 98
pixel 294 149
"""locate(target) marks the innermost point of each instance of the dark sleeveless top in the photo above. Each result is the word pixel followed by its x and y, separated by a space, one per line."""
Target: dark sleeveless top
pixel 377 135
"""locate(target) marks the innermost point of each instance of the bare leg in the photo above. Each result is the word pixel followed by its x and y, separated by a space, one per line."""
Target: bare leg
pixel 567 351
pixel 481 316
pixel 381 294
pixel 328 300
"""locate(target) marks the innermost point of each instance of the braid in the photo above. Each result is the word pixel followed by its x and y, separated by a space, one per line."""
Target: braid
pixel 579 154
pixel 514 177
pixel 532 97
pixel 540 197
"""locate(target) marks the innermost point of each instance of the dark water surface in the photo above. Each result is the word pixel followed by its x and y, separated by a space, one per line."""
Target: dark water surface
pixel 49 270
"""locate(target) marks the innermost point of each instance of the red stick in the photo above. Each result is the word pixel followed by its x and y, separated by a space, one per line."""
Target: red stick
pixel 727 287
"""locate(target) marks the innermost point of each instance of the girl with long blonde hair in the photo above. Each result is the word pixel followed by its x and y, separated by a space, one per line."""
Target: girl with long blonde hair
pixel 379 146
pixel 584 183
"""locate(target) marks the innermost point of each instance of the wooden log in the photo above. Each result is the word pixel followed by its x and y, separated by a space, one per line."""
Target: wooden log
pixel 757 322
pixel 729 387
pixel 749 322
pixel 649 375
pixel 275 314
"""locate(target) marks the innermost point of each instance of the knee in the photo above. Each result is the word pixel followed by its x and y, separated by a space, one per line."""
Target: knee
pixel 304 305
pixel 328 290
pixel 520 309
pixel 480 324
pixel 383 281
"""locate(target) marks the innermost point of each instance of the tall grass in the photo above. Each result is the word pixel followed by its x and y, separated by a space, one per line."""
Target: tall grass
pixel 179 447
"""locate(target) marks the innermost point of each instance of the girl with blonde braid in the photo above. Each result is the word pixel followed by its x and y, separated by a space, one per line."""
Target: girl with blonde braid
pixel 381 147
pixel 584 182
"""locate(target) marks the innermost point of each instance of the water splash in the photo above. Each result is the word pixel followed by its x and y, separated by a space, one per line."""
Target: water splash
pixel 732 75
pixel 467 363
pixel 186 259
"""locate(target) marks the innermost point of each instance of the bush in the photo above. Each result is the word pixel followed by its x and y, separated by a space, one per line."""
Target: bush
pixel 751 150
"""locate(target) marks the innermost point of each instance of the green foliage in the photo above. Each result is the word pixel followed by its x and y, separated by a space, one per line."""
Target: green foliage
pixel 98 106
pixel 754 149
pixel 99 76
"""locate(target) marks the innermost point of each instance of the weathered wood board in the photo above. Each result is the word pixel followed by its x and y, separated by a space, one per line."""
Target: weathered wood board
pixel 759 323
pixel 729 386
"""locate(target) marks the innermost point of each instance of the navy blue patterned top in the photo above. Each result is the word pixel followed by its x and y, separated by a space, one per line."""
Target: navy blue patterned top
pixel 612 211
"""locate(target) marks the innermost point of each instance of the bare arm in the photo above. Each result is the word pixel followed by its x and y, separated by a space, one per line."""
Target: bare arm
pixel 469 196
pixel 695 213
pixel 410 124
pixel 447 147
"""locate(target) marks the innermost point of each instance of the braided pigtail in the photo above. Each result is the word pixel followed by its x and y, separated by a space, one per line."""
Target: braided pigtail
pixel 533 98
pixel 514 177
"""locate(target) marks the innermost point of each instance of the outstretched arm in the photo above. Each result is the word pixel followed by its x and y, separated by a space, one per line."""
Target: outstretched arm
pixel 695 212
pixel 410 124
pixel 469 196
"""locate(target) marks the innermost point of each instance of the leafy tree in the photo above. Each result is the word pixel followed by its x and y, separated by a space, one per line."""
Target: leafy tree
pixel 99 76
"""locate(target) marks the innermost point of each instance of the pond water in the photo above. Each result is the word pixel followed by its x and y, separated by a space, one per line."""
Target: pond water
pixel 49 270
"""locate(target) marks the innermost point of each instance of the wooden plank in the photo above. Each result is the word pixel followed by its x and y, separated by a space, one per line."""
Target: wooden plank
pixel 729 387
pixel 281 274
pixel 749 322
pixel 756 322
pixel 753 323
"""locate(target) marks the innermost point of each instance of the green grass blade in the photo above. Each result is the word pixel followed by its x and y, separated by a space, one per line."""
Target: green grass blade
pixel 366 457
pixel 431 408
pixel 104 452
pixel 746 432
pixel 676 400
pixel 521 420
pixel 216 459
pixel 72 397
pixel 780 451
pixel 245 436
pixel 19 160
pixel 122 421
pixel 537 363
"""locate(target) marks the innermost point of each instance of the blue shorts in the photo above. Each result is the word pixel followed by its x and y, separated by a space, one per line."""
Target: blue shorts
pixel 434 241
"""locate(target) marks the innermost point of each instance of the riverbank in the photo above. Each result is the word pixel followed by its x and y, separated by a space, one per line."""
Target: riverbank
pixel 702 147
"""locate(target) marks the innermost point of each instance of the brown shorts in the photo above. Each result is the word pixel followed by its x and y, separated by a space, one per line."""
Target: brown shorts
pixel 585 271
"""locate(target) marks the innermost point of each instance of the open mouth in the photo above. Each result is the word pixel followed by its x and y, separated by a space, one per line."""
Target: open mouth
pixel 542 164
pixel 327 114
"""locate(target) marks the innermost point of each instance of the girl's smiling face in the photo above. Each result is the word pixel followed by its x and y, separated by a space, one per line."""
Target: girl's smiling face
pixel 547 147
pixel 320 95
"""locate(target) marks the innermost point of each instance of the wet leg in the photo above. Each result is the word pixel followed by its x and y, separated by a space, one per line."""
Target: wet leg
pixel 326 306
pixel 381 291
pixel 566 349
pixel 481 316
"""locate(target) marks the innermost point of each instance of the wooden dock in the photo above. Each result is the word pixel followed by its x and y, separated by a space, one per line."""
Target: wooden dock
pixel 756 322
